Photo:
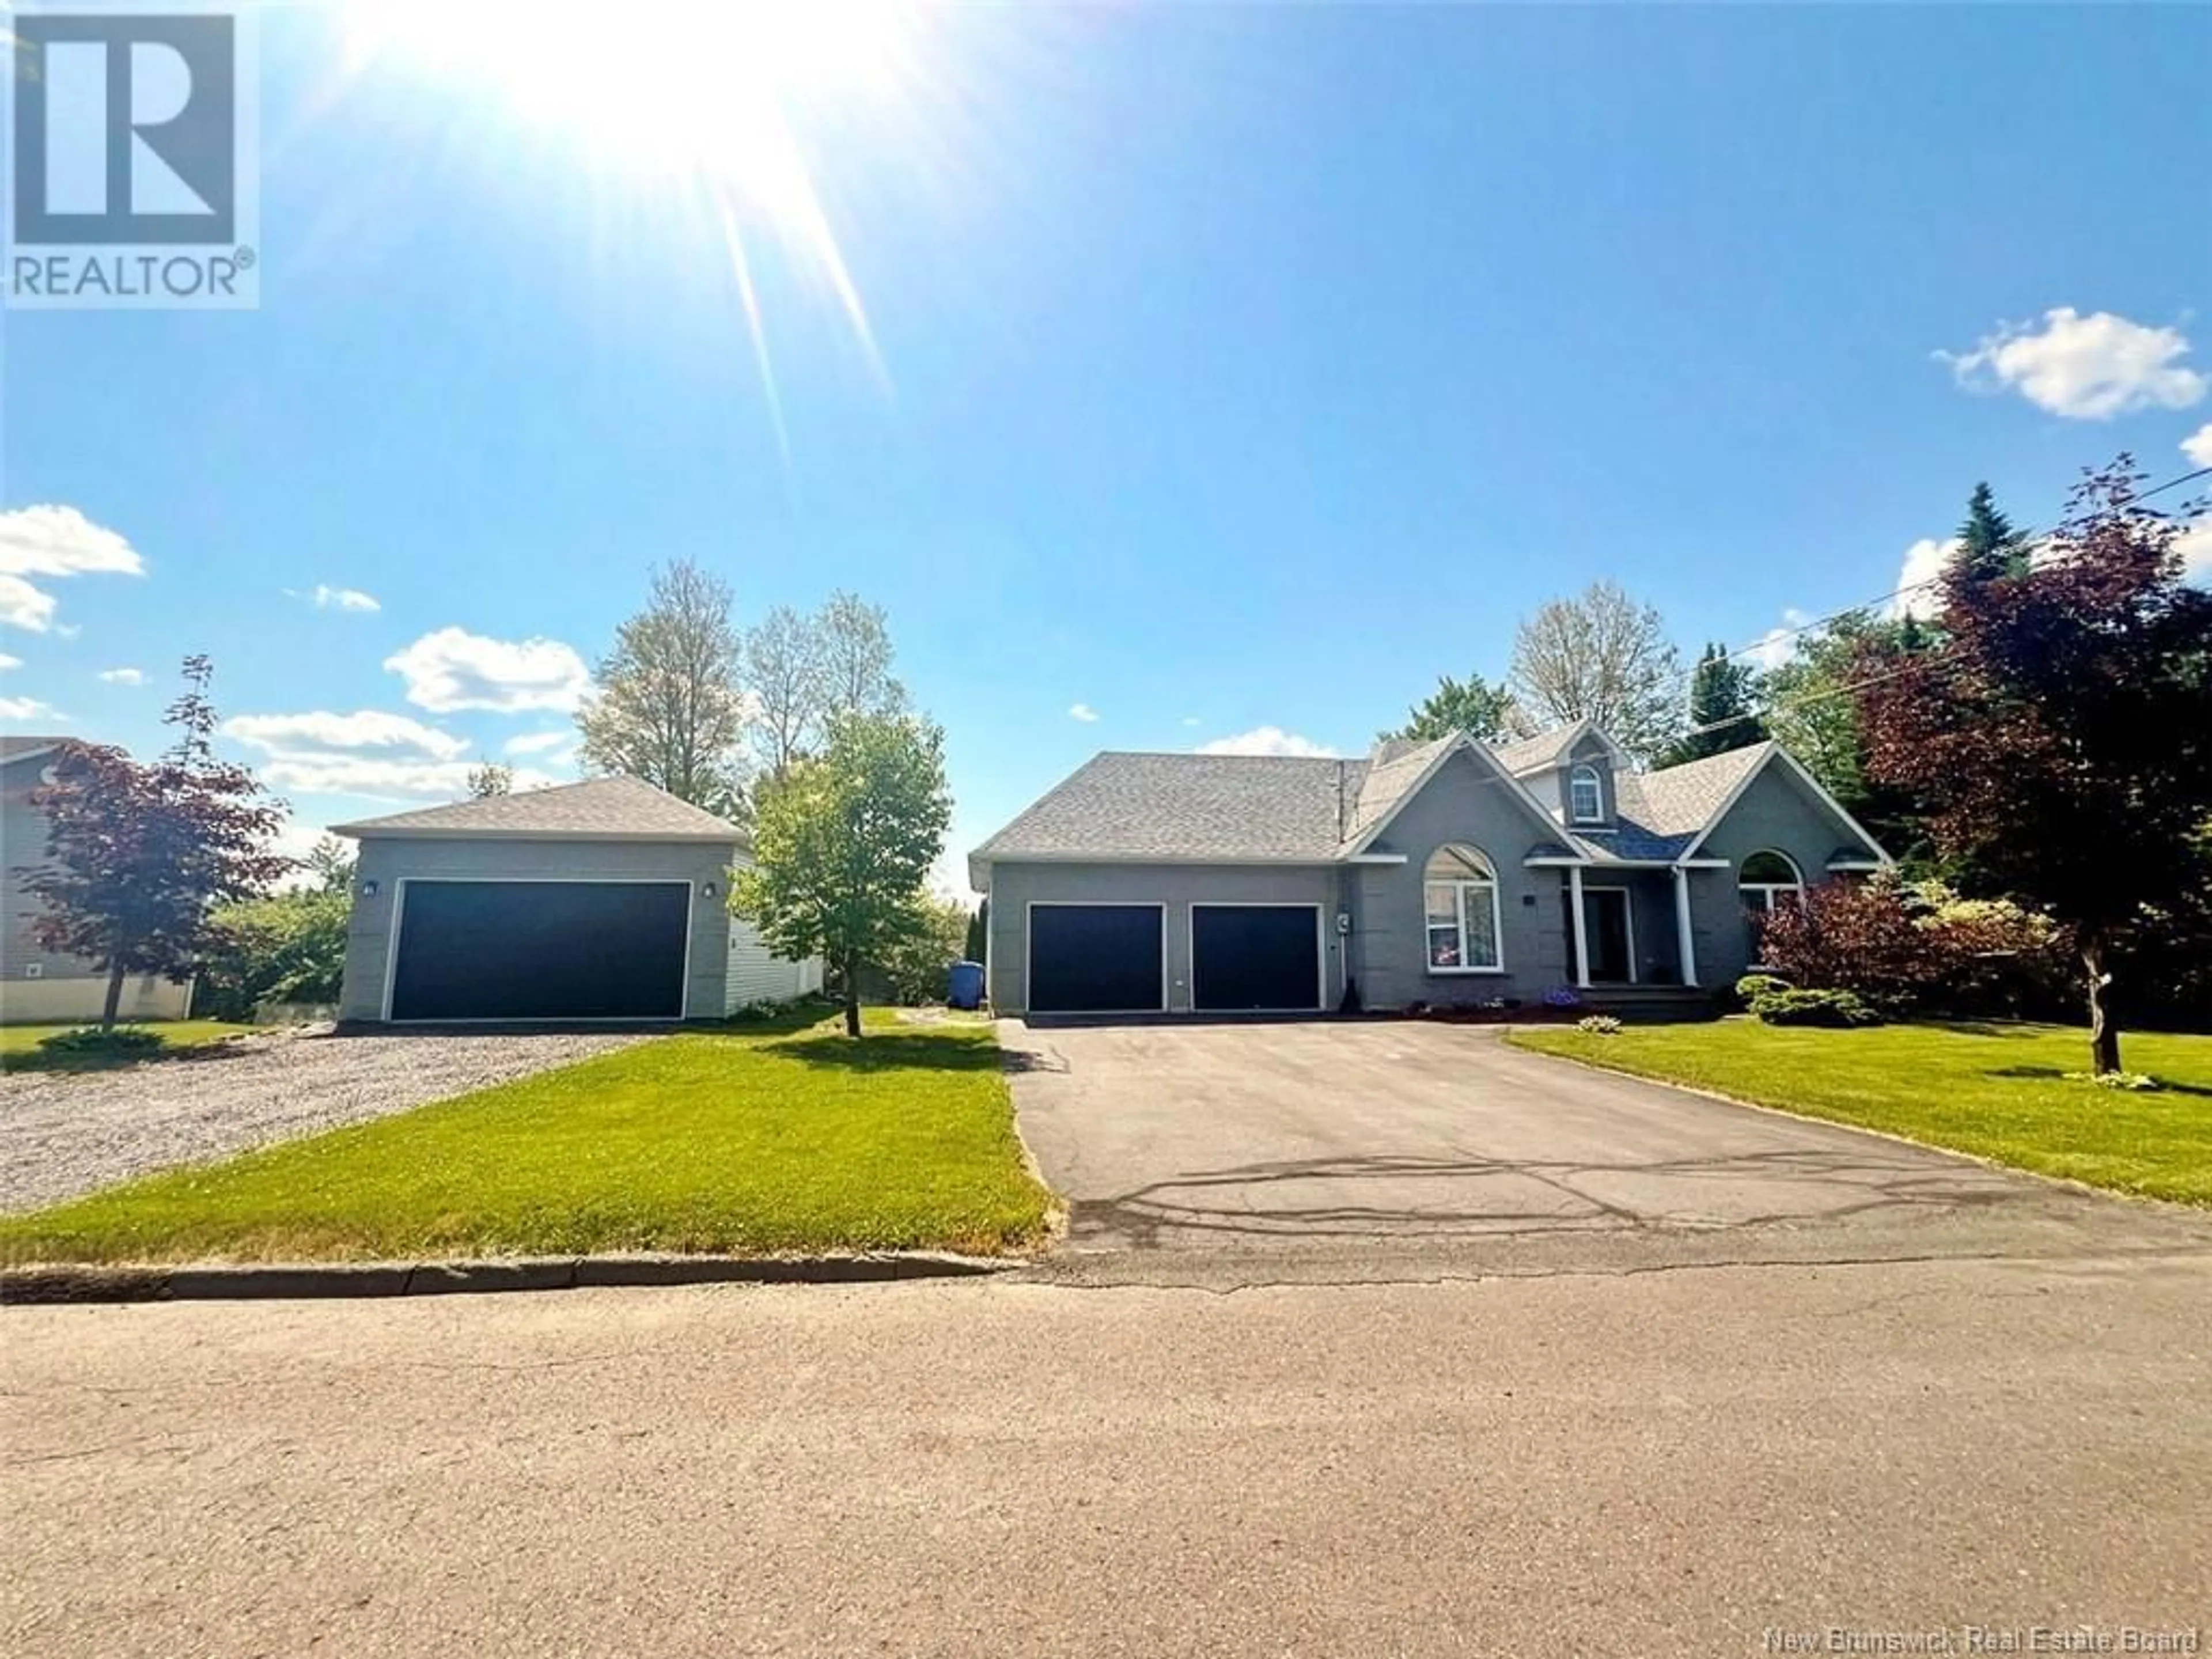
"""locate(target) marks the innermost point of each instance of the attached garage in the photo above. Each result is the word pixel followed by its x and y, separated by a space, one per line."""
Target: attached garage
pixel 1098 958
pixel 1250 958
pixel 541 950
pixel 607 900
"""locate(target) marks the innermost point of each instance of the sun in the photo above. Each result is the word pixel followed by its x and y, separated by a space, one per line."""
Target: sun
pixel 704 100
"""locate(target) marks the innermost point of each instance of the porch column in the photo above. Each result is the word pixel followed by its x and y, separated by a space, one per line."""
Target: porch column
pixel 1682 931
pixel 1582 933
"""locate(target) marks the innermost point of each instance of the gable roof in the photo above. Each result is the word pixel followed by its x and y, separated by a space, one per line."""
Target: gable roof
pixel 1662 814
pixel 15 749
pixel 599 809
pixel 1272 809
pixel 1264 809
pixel 1552 748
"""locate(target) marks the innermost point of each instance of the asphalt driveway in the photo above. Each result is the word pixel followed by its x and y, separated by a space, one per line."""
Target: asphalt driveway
pixel 1183 1140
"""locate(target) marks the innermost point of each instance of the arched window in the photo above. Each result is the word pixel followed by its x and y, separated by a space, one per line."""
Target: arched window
pixel 1585 795
pixel 1768 881
pixel 1460 890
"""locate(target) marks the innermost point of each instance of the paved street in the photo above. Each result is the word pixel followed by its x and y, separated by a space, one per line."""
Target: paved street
pixel 1652 1463
pixel 1227 1153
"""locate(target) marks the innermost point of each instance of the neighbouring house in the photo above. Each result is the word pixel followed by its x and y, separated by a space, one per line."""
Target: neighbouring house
pixel 38 985
pixel 602 900
pixel 1442 873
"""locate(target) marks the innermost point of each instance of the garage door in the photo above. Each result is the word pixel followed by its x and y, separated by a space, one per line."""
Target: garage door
pixel 1094 958
pixel 541 950
pixel 1247 956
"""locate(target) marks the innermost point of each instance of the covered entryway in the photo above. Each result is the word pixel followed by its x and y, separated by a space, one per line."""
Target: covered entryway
pixel 1255 957
pixel 540 949
pixel 1096 958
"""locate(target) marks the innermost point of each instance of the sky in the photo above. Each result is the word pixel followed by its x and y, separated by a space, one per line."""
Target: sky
pixel 1173 375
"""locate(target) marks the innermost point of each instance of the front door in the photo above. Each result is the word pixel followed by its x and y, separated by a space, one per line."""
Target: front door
pixel 1605 917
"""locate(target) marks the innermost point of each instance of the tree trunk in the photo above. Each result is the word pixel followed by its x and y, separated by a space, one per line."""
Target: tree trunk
pixel 108 1010
pixel 852 996
pixel 2104 1034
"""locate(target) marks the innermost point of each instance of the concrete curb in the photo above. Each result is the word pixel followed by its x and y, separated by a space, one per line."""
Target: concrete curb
pixel 85 1283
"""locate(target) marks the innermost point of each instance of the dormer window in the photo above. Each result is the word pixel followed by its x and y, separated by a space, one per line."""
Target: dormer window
pixel 1586 795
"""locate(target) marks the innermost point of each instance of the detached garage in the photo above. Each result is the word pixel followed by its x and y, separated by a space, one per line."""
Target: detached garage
pixel 597 901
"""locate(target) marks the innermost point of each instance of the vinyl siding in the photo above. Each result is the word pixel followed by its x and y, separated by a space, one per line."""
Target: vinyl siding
pixel 757 974
pixel 388 861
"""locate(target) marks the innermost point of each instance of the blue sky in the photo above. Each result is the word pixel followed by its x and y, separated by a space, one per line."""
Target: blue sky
pixel 1236 371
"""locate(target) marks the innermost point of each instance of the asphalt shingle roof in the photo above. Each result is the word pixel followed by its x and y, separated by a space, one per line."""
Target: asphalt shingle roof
pixel 10 747
pixel 1271 807
pixel 1188 806
pixel 627 809
pixel 1662 813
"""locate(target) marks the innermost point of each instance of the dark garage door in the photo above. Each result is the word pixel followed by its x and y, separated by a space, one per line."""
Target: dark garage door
pixel 541 950
pixel 1254 956
pixel 1094 958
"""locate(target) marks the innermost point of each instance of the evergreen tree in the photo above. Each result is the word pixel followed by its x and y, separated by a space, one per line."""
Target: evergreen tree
pixel 1989 548
pixel 1472 705
pixel 1722 691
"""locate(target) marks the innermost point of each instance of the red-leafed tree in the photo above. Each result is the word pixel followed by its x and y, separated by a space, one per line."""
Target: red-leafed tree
pixel 138 854
pixel 2060 731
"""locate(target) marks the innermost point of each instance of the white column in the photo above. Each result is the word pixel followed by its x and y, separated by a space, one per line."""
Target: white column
pixel 1581 934
pixel 1682 929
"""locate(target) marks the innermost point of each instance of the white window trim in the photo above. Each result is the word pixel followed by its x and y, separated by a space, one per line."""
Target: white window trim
pixel 1461 887
pixel 1575 778
pixel 1765 905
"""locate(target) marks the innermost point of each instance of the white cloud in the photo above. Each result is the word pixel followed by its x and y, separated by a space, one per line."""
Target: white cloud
pixel 1777 645
pixel 53 541
pixel 26 708
pixel 2086 368
pixel 7 661
pixel 293 735
pixel 1084 712
pixel 2198 446
pixel 124 676
pixel 22 605
pixel 537 743
pixel 367 774
pixel 1917 595
pixel 453 669
pixel 1267 740
pixel 324 597
pixel 2195 546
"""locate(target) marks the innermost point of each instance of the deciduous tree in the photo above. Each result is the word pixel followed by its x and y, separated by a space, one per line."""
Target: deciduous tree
pixel 2060 731
pixel 1472 705
pixel 789 683
pixel 670 706
pixel 139 855
pixel 1601 656
pixel 842 845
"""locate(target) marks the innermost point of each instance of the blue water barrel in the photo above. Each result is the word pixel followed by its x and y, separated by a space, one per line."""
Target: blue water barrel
pixel 963 985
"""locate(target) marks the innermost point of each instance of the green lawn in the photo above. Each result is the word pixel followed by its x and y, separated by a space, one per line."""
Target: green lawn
pixel 20 1050
pixel 1999 1091
pixel 770 1141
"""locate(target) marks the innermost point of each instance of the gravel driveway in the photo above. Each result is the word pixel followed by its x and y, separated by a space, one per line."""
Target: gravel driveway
pixel 62 1135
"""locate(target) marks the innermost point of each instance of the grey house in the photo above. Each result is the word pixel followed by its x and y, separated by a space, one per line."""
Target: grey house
pixel 604 900
pixel 1450 873
pixel 38 985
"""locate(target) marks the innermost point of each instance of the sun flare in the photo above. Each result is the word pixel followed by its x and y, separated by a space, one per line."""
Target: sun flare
pixel 702 101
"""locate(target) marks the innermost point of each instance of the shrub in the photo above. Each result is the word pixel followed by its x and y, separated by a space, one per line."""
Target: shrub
pixel 1752 987
pixel 1901 945
pixel 1794 1007
pixel 125 1042
pixel 1598 1025
pixel 287 948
